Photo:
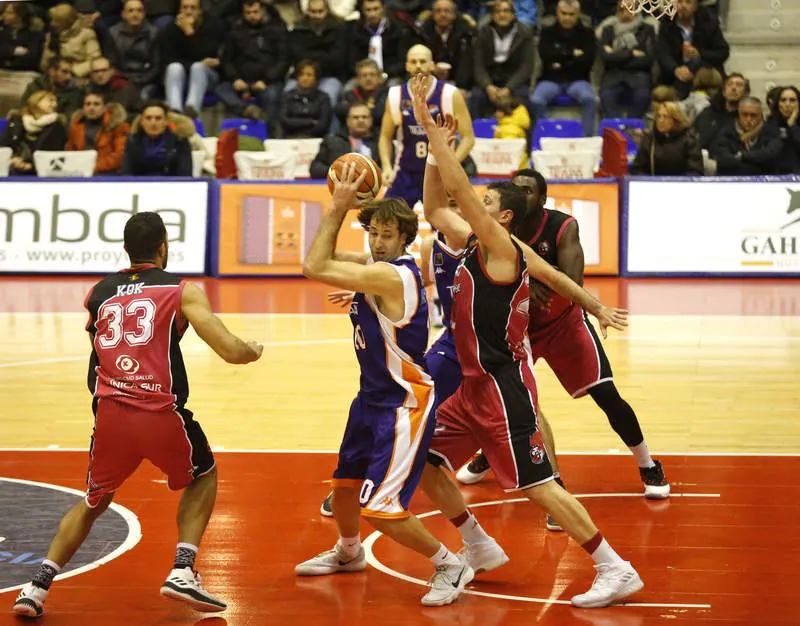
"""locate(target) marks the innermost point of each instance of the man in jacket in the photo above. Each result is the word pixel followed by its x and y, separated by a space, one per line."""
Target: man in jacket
pixel 254 64
pixel 449 36
pixel 114 86
pixel 58 79
pixel 132 47
pixel 379 37
pixel 358 138
pixel 749 147
pixel 153 149
pixel 690 40
pixel 723 110
pixel 100 126
pixel 369 90
pixel 567 50
pixel 21 40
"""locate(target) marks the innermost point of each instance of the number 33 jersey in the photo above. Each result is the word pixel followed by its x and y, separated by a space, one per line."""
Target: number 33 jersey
pixel 135 325
pixel 391 354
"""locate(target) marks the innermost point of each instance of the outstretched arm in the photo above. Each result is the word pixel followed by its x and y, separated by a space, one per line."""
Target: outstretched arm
pixel 321 264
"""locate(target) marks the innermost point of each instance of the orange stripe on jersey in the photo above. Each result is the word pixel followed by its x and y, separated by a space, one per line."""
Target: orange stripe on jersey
pixel 380 515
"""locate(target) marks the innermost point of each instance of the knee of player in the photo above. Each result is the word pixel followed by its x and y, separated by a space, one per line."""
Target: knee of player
pixel 544 494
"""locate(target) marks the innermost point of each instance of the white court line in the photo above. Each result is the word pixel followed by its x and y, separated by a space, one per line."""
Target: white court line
pixel 370 541
pixel 134 531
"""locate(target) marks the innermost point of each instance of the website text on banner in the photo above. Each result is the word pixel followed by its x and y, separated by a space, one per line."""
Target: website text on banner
pixel 266 229
pixel 76 227
pixel 697 226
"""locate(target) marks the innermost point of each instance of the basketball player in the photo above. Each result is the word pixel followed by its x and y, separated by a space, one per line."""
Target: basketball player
pixel 494 408
pixel 561 335
pixel 137 316
pixel 404 175
pixel 391 419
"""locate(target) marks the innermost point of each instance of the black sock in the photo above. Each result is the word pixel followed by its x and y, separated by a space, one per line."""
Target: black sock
pixel 185 554
pixel 44 577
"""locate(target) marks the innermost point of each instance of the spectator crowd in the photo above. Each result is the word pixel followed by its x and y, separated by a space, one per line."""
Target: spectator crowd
pixel 126 78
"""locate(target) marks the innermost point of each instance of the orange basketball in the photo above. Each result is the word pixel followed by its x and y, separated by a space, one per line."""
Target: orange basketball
pixel 372 182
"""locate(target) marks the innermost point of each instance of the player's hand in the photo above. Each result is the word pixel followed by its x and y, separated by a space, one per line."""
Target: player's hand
pixel 540 295
pixel 344 190
pixel 449 125
pixel 388 174
pixel 419 101
pixel 256 348
pixel 342 298
pixel 615 318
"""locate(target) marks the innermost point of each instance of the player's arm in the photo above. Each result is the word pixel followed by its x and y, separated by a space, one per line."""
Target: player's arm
pixel 380 279
pixel 351 257
pixel 196 308
pixel 493 237
pixel 385 145
pixel 425 253
pixel 438 214
pixel 464 121
pixel 562 284
pixel 570 253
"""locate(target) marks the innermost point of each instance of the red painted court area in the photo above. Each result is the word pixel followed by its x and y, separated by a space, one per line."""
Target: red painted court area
pixel 727 551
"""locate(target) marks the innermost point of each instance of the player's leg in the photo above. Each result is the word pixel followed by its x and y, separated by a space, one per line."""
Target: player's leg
pixel 549 441
pixel 112 459
pixel 176 444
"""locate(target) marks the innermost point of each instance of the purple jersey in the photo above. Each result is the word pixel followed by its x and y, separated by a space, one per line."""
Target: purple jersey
pixel 444 263
pixel 391 354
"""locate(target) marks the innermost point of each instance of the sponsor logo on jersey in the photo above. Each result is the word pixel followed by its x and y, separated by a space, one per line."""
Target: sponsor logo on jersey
pixel 538 454
pixel 543 248
pixel 127 364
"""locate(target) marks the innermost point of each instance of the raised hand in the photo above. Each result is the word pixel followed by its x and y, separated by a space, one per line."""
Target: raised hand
pixel 615 318
pixel 419 101
pixel 342 298
pixel 344 190
pixel 448 124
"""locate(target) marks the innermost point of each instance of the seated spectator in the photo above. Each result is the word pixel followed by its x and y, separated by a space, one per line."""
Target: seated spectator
pixel 513 122
pixel 527 11
pixel 101 125
pixel 99 15
pixel 671 148
pixel 58 80
pixel 690 40
pixel 358 138
pixel 114 86
pixel 660 94
pixel 305 110
pixel 254 64
pixel 70 39
pixel 37 126
pixel 21 38
pixel 226 11
pixel 723 110
pixel 154 149
pixel 784 118
pixel 503 60
pixel 707 84
pixel 369 90
pixel 133 49
pixel 341 9
pixel 567 50
pixel 161 13
pixel 320 36
pixel 449 36
pixel 627 50
pixel 380 37
pixel 749 147
pixel 191 46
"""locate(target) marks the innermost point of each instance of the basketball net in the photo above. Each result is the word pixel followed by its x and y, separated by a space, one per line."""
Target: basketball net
pixel 656 8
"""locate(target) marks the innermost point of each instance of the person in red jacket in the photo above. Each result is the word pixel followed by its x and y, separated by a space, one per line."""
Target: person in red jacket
pixel 100 126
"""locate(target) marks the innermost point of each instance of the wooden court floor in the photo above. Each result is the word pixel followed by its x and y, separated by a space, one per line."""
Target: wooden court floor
pixel 710 368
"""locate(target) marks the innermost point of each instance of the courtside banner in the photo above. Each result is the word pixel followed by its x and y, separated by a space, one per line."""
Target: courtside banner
pixel 76 226
pixel 712 226
pixel 266 229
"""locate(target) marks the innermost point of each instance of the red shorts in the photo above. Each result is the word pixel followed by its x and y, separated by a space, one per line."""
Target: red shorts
pixel 574 352
pixel 124 436
pixel 495 413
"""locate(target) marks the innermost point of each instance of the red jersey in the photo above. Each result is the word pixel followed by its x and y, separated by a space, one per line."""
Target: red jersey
pixel 545 243
pixel 489 319
pixel 135 324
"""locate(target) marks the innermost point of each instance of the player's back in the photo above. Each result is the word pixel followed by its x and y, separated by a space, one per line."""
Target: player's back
pixel 489 319
pixel 412 141
pixel 135 324
pixel 444 263
pixel 545 243
pixel 391 354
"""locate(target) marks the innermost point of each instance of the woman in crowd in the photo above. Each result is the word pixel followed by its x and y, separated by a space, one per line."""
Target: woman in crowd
pixel 784 118
pixel 671 148
pixel 37 126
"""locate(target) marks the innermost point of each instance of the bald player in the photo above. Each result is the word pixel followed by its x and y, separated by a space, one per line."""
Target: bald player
pixel 405 173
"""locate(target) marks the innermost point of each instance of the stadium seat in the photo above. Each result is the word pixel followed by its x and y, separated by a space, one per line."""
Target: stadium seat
pixel 210 99
pixel 623 125
pixel 564 101
pixel 484 127
pixel 3 124
pixel 556 128
pixel 497 157
pixel 198 124
pixel 60 163
pixel 249 128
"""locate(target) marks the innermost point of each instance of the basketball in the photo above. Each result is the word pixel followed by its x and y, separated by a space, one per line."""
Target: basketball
pixel 372 182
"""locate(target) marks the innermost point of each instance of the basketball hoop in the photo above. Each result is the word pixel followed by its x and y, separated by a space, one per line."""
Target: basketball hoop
pixel 656 8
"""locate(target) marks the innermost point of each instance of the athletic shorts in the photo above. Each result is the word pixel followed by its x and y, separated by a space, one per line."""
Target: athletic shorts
pixel 383 454
pixel 574 352
pixel 406 185
pixel 124 436
pixel 496 413
pixel 442 364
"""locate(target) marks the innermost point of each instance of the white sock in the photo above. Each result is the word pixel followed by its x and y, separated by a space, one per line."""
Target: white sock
pixel 444 557
pixel 642 454
pixel 350 546
pixel 606 554
pixel 472 532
